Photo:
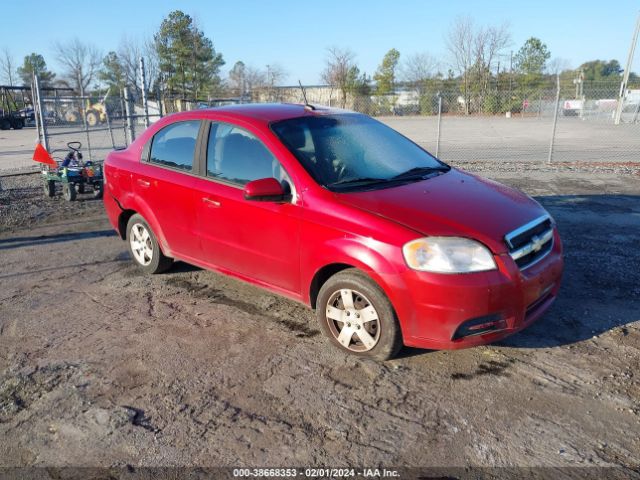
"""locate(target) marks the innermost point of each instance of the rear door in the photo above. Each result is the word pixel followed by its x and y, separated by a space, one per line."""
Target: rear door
pixel 258 240
pixel 165 183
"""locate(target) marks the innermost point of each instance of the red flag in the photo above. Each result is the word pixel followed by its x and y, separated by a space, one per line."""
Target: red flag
pixel 42 156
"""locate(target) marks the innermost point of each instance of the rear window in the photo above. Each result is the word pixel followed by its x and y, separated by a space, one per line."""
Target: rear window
pixel 174 146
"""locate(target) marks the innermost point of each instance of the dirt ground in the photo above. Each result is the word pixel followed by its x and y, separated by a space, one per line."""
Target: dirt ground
pixel 102 366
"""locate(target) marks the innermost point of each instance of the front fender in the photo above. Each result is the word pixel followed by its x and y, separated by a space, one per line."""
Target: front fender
pixel 376 259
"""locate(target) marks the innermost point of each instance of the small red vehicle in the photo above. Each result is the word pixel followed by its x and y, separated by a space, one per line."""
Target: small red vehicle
pixel 388 244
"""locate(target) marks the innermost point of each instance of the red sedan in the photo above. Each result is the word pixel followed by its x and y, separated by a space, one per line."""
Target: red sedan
pixel 389 245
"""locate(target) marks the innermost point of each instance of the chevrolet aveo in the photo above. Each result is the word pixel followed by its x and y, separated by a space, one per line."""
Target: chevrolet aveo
pixel 389 245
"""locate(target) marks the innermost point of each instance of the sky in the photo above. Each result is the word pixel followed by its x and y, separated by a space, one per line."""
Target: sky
pixel 296 34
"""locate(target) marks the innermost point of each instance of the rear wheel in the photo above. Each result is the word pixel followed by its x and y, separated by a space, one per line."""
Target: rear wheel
pixel 18 123
pixel 69 192
pixel 144 247
pixel 5 124
pixel 356 315
pixel 50 188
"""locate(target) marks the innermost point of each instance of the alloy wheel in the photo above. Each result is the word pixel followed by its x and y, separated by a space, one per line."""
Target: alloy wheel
pixel 353 320
pixel 141 244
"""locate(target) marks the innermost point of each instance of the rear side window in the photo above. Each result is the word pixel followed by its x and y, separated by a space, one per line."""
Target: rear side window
pixel 235 155
pixel 174 146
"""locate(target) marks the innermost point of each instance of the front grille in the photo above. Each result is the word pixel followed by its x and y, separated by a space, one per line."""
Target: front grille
pixel 531 242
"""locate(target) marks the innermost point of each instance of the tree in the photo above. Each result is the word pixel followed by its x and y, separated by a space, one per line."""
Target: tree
pixel 558 65
pixel 81 62
pixel 7 67
pixel 236 77
pixel 112 72
pixel 488 43
pixel 531 60
pixel 34 64
pixel 188 61
pixel 418 69
pixel 385 76
pixel 459 43
pixel 275 74
pixel 601 70
pixel 339 71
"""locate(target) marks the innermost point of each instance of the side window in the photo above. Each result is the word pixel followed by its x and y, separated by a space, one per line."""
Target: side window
pixel 235 155
pixel 175 144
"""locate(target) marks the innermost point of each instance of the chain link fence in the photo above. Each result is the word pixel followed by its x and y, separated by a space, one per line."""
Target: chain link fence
pixel 551 124
pixel 542 125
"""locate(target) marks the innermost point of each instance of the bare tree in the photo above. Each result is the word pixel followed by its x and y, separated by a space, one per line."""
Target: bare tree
pixel 488 43
pixel 80 61
pixel 275 74
pixel 7 67
pixel 460 44
pixel 558 65
pixel 253 78
pixel 338 71
pixel 129 53
pixel 417 69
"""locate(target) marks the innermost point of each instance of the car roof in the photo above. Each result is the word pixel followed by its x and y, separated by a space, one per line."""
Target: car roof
pixel 265 112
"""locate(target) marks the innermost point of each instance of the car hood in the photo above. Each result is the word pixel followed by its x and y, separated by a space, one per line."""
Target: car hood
pixel 454 203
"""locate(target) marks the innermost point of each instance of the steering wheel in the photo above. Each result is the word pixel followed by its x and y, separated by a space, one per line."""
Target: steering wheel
pixel 75 146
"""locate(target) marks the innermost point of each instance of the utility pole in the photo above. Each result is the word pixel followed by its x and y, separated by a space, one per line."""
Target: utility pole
pixel 627 70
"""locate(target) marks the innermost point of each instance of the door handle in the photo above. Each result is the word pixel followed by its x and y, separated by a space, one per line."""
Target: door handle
pixel 211 202
pixel 143 183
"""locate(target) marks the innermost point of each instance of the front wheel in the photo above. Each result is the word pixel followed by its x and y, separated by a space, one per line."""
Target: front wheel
pixel 144 247
pixel 356 315
pixel 69 192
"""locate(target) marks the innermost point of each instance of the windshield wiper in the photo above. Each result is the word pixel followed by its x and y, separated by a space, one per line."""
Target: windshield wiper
pixel 419 172
pixel 358 181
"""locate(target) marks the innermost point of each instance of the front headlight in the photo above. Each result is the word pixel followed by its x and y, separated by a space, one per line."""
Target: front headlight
pixel 448 255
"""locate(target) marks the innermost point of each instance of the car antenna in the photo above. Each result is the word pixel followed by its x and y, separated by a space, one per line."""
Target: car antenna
pixel 307 105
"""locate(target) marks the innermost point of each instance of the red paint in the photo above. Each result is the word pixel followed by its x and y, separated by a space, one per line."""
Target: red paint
pixel 281 245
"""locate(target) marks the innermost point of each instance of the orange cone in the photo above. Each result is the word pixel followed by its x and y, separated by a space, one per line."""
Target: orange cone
pixel 42 156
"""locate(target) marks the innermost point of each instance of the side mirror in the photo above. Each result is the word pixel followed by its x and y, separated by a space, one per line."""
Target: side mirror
pixel 265 190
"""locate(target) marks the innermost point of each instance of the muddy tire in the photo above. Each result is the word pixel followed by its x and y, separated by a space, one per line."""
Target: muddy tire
pixel 356 315
pixel 50 188
pixel 144 247
pixel 69 192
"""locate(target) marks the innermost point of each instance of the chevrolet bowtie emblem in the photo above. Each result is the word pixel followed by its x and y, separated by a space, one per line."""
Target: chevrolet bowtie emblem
pixel 536 243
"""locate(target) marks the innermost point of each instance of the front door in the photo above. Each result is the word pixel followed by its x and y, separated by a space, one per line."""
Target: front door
pixel 258 240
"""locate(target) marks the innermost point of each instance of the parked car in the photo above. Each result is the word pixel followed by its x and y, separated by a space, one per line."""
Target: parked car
pixel 334 209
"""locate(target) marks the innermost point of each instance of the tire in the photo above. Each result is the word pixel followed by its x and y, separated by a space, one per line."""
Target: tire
pixel 97 190
pixel 50 188
pixel 92 118
pixel 69 192
pixel 18 124
pixel 5 124
pixel 71 116
pixel 369 328
pixel 144 247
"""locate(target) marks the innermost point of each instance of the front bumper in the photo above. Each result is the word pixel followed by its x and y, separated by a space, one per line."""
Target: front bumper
pixel 437 308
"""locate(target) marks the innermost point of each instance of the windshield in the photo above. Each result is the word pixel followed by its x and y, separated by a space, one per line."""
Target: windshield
pixel 351 151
